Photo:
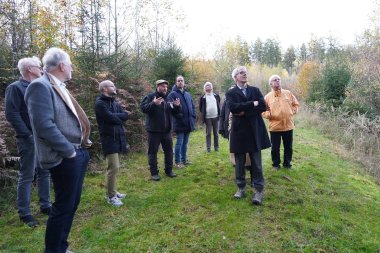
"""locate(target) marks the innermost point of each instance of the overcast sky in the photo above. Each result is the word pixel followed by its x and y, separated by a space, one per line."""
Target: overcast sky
pixel 291 22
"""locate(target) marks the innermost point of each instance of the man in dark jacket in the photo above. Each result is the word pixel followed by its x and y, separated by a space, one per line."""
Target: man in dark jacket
pixel 248 132
pixel 158 111
pixel 16 113
pixel 184 122
pixel 110 117
pixel 209 106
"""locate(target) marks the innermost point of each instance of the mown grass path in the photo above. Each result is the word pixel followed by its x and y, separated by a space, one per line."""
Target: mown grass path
pixel 324 204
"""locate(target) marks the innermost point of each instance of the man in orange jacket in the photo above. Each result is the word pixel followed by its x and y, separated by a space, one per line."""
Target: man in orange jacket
pixel 281 106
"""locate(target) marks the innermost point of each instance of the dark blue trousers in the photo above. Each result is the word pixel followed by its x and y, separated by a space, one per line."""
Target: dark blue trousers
pixel 67 179
pixel 287 140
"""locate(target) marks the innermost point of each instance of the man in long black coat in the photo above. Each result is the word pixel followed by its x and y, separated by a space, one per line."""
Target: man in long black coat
pixel 248 132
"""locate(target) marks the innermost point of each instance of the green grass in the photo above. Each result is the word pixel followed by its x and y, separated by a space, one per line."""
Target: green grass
pixel 324 204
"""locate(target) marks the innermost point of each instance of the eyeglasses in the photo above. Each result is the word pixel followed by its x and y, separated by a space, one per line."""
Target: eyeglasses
pixel 243 72
pixel 276 80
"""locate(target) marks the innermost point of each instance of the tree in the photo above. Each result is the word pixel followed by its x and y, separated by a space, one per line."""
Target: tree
pixel 302 53
pixel 257 51
pixel 308 74
pixel 272 53
pixel 289 58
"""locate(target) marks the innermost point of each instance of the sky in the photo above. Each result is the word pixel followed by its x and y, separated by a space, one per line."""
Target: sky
pixel 209 23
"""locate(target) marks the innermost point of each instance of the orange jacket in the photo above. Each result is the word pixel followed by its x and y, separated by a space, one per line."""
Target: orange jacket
pixel 281 106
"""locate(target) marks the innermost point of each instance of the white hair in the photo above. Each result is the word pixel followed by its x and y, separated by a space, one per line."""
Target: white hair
pixel 104 84
pixel 24 63
pixel 273 77
pixel 207 83
pixel 53 57
pixel 237 70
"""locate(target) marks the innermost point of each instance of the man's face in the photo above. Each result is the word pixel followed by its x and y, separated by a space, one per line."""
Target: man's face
pixel 208 88
pixel 35 71
pixel 242 77
pixel 180 82
pixel 275 83
pixel 110 89
pixel 162 88
pixel 67 69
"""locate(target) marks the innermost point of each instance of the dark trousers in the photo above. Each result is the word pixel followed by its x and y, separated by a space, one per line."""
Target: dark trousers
pixel 212 125
pixel 154 141
pixel 287 140
pixel 67 179
pixel 256 170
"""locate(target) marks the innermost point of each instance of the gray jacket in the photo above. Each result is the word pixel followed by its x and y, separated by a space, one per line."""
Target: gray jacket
pixel 55 126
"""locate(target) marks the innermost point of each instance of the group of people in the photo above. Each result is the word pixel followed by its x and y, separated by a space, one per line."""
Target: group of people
pixel 52 134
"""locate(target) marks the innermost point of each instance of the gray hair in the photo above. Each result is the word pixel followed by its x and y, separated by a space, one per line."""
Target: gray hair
pixel 237 70
pixel 24 63
pixel 104 84
pixel 207 83
pixel 273 77
pixel 53 57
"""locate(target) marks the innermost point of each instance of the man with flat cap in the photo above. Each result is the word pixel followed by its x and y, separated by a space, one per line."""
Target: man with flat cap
pixel 158 110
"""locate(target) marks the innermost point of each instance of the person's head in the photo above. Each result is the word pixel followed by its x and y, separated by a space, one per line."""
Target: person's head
pixel 180 82
pixel 107 88
pixel 162 86
pixel 30 68
pixel 208 87
pixel 240 75
pixel 275 82
pixel 58 63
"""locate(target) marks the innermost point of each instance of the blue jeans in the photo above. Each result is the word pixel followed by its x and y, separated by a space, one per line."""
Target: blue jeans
pixel 28 169
pixel 180 149
pixel 67 179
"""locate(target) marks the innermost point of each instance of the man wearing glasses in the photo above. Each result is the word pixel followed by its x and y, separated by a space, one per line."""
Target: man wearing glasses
pixel 16 113
pixel 248 132
pixel 282 105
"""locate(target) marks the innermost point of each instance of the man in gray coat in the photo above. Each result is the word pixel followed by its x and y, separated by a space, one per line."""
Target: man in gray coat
pixel 61 134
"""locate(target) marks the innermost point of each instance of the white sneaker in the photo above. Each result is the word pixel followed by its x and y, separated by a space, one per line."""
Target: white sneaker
pixel 115 201
pixel 120 195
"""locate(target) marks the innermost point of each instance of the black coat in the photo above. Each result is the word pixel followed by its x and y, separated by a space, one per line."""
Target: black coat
pixel 224 121
pixel 203 106
pixel 110 117
pixel 248 132
pixel 158 117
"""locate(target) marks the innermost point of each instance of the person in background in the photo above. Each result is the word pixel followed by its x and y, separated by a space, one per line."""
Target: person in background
pixel 16 112
pixel 184 122
pixel 110 117
pixel 158 111
pixel 209 106
pixel 281 105
pixel 248 132
pixel 61 133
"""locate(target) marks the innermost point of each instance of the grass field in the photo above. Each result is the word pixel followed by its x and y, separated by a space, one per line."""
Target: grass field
pixel 324 204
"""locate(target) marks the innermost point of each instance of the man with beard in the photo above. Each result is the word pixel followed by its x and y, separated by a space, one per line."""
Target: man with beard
pixel 158 110
pixel 110 117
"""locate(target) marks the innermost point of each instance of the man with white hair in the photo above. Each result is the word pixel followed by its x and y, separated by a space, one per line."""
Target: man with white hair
pixel 248 132
pixel 282 105
pixel 16 113
pixel 209 106
pixel 61 132
pixel 110 117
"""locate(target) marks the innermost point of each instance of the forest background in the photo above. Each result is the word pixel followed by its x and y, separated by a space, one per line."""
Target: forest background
pixel 130 44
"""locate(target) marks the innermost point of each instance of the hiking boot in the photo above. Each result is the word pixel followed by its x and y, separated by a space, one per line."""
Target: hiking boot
pixel 155 177
pixel 29 220
pixel 187 162
pixel 45 210
pixel 120 195
pixel 115 201
pixel 240 193
pixel 171 174
pixel 179 165
pixel 258 198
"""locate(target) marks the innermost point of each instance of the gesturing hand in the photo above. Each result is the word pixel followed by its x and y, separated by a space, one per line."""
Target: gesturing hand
pixel 158 101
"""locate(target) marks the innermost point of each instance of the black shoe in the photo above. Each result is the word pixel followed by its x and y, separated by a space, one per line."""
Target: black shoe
pixel 240 193
pixel 258 198
pixel 186 163
pixel 287 167
pixel 171 174
pixel 45 210
pixel 155 177
pixel 276 167
pixel 29 220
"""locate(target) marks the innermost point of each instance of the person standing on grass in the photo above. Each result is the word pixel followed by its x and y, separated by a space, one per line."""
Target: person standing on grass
pixel 248 132
pixel 110 117
pixel 61 133
pixel 158 111
pixel 281 105
pixel 16 113
pixel 184 122
pixel 209 106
